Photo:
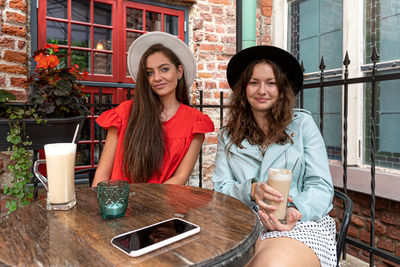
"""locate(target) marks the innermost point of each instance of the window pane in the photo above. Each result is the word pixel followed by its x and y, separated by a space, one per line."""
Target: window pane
pixel 134 19
pixel 82 58
pixel 309 17
pixel 331 50
pixel 171 24
pixel 83 154
pixel 80 35
pixel 153 21
pixel 85 134
pixel 308 50
pixel 311 100
pixel 332 116
pixel 385 28
pixel 102 38
pixel 102 63
pixel 387 146
pixel 97 153
pixel 130 37
pixel 102 14
pixel 390 38
pixel 316 32
pixel 333 121
pixel 57 9
pixel 63 57
pixel 80 10
pixel 106 105
pixel 389 116
pixel 99 132
pixel 57 33
pixel 331 15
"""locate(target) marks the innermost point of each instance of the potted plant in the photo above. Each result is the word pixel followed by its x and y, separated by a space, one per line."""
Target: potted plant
pixel 50 115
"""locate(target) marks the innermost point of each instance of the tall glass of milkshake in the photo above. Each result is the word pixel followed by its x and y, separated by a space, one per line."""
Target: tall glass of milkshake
pixel 280 180
pixel 60 163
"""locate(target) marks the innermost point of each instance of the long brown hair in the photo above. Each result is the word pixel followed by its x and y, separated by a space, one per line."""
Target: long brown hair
pixel 241 123
pixel 144 141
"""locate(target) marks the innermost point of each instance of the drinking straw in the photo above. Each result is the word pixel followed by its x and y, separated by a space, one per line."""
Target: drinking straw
pixel 75 134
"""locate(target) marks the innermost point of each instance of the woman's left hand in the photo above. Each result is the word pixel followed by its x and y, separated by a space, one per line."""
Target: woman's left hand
pixel 271 223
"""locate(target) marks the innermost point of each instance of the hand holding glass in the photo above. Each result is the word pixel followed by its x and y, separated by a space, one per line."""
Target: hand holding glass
pixel 280 180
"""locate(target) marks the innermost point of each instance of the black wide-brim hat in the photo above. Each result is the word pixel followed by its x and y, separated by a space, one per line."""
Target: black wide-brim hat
pixel 282 58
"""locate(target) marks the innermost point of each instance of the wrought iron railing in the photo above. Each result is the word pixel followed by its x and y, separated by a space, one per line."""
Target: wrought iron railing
pixel 372 79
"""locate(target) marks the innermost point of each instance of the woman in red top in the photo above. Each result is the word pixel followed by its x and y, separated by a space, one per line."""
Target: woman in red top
pixel 156 137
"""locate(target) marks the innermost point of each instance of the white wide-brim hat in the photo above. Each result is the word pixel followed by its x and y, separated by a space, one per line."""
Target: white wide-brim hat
pixel 181 50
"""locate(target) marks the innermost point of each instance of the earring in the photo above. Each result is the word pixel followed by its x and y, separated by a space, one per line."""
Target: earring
pixel 179 78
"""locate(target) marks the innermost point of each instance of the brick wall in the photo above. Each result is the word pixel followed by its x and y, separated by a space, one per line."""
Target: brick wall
pixel 212 33
pixel 13 47
pixel 387 225
pixel 13 58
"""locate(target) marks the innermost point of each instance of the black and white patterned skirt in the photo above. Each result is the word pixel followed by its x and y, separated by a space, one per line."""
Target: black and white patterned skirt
pixel 318 235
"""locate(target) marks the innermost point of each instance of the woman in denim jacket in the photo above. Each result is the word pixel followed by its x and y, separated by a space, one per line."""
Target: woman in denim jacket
pixel 264 131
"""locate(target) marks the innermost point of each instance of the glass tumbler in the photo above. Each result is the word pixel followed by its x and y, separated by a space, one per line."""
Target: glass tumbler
pixel 112 196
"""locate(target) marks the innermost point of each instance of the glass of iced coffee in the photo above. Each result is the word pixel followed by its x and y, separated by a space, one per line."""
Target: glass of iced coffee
pixel 60 165
pixel 280 180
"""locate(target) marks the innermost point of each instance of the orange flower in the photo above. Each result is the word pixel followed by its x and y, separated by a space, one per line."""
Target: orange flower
pixel 40 60
pixel 53 47
pixel 85 74
pixel 53 61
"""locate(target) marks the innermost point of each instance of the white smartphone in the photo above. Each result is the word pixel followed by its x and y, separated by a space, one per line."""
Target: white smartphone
pixel 149 238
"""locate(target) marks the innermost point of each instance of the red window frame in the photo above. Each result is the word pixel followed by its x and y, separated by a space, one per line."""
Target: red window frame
pixel 146 7
pixel 118 27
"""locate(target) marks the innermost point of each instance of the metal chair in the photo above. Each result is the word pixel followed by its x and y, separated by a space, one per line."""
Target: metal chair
pixel 344 226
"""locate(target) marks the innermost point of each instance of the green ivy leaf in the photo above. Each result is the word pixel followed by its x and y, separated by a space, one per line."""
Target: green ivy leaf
pixel 6 190
pixel 24 202
pixel 29 195
pixel 11 205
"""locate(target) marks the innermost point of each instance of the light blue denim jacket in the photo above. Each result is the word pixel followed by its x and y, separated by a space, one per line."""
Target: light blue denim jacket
pixel 311 188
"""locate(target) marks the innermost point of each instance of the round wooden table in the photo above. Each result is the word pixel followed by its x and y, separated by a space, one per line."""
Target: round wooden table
pixel 35 236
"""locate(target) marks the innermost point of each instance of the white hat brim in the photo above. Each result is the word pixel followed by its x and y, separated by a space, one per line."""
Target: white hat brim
pixel 181 50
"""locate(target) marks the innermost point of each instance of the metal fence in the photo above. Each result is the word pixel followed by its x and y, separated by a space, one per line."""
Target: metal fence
pixel 371 79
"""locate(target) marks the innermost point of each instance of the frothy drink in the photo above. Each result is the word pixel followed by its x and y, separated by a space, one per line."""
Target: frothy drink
pixel 60 162
pixel 280 180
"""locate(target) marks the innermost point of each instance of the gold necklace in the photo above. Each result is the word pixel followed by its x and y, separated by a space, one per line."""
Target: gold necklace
pixel 166 115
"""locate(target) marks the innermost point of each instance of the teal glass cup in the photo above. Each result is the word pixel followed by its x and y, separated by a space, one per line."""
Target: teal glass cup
pixel 112 196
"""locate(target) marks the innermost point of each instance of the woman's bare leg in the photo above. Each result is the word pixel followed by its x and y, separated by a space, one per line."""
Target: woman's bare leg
pixel 283 252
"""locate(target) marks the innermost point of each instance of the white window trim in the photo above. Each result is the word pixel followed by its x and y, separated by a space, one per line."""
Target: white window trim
pixel 353 42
